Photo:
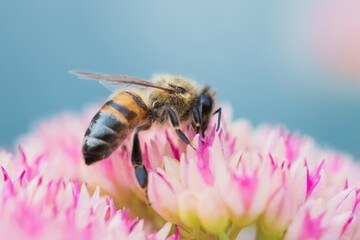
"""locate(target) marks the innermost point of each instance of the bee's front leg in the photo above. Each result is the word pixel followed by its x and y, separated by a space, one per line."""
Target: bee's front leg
pixel 175 123
pixel 218 111
pixel 197 119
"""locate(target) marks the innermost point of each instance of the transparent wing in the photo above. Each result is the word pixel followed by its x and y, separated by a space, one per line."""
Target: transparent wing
pixel 116 86
pixel 116 82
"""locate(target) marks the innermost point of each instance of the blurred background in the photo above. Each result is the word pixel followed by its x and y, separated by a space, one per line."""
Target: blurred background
pixel 295 63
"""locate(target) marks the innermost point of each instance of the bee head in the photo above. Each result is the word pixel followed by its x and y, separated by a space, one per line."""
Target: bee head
pixel 181 100
pixel 184 88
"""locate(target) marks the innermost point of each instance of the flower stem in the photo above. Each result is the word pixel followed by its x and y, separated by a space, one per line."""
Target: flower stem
pixel 234 231
pixel 261 235
pixel 223 236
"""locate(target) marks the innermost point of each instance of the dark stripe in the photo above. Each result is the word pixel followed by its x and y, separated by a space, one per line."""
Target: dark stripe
pixel 108 120
pixel 105 134
pixel 95 147
pixel 93 153
pixel 128 114
pixel 113 122
pixel 90 158
pixel 138 101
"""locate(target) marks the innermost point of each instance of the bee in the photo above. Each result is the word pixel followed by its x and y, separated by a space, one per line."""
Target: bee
pixel 171 99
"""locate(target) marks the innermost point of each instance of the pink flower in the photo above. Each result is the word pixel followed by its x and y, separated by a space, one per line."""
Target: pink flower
pixel 262 181
pixel 34 207
pixel 240 182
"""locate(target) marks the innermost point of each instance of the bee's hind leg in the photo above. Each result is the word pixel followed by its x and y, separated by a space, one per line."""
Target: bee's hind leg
pixel 137 160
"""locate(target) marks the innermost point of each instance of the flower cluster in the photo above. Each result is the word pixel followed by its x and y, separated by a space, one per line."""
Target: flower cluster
pixel 239 183
pixel 282 186
pixel 33 205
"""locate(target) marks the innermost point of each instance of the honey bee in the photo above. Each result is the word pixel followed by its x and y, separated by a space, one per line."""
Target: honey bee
pixel 170 99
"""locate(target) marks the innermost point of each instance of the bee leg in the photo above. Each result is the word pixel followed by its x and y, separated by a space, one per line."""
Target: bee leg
pixel 175 123
pixel 219 118
pixel 200 113
pixel 136 158
pixel 197 119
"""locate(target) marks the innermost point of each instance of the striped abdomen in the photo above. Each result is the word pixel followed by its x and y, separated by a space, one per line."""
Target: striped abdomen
pixel 112 124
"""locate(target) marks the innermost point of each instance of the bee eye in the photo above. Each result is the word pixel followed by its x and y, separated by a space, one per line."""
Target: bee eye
pixel 180 90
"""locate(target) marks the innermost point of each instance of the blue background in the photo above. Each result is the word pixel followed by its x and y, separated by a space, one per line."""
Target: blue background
pixel 252 52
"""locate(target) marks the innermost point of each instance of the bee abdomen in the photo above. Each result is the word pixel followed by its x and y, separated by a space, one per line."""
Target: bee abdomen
pixel 103 136
pixel 111 125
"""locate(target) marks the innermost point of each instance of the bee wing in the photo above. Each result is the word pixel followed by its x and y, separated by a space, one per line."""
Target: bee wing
pixel 115 82
pixel 116 86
